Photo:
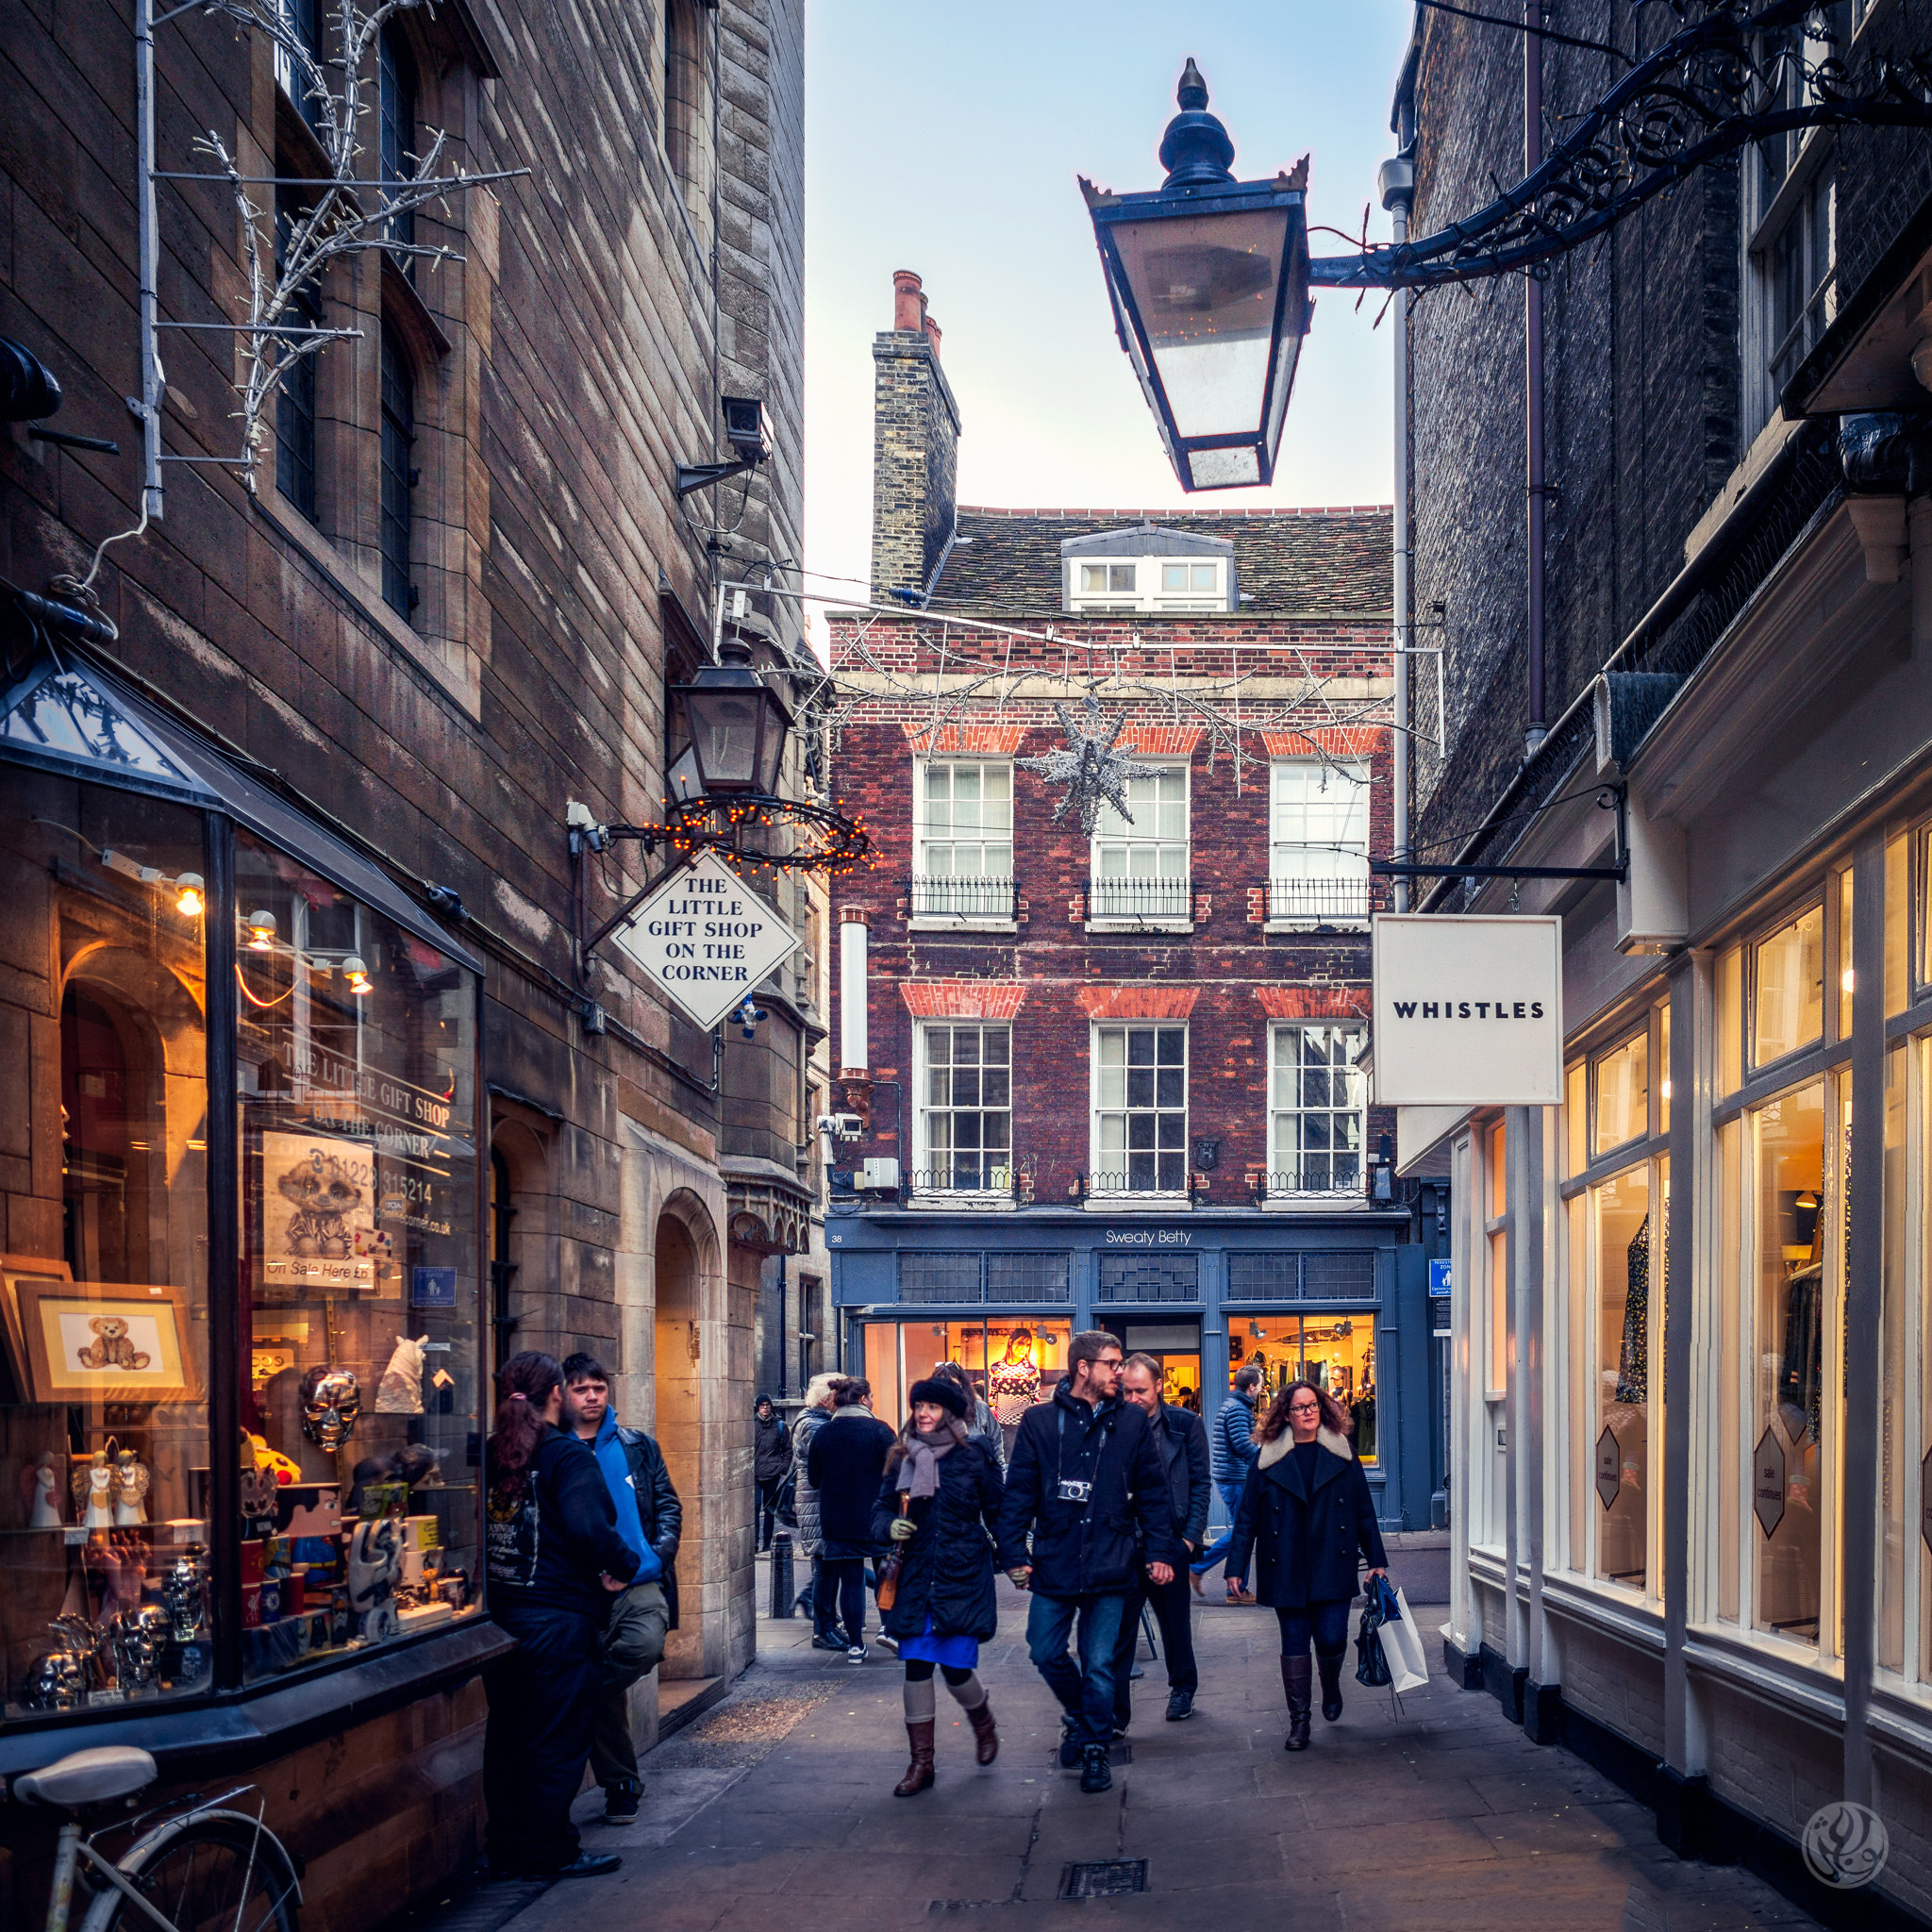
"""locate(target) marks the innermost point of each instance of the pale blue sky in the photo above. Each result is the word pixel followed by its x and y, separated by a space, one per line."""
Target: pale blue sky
pixel 946 139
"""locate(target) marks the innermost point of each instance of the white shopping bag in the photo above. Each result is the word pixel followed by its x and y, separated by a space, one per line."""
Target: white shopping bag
pixel 1402 1649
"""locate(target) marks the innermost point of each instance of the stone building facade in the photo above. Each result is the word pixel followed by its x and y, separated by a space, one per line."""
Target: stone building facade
pixel 1003 971
pixel 451 608
pixel 1687 1428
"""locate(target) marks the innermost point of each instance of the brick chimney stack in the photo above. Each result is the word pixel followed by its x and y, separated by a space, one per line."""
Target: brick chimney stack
pixel 915 445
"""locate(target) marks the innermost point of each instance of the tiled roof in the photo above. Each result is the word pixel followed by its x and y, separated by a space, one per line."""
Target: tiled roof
pixel 1309 560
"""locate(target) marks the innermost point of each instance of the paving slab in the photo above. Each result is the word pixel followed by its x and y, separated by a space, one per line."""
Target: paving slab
pixel 773 1811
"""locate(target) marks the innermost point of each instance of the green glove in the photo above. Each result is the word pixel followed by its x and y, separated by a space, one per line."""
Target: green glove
pixel 903 1529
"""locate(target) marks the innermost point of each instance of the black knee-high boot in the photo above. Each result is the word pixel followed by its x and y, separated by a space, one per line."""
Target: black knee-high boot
pixel 1297 1679
pixel 1329 1662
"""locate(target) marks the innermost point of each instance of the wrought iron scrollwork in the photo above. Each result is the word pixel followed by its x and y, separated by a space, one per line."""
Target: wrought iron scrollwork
pixel 1734 76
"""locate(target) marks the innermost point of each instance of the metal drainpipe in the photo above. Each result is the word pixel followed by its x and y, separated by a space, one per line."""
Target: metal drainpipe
pixel 1397 183
pixel 1533 16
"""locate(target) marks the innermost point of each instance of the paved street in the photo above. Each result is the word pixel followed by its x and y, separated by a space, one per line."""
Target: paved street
pixel 775 1811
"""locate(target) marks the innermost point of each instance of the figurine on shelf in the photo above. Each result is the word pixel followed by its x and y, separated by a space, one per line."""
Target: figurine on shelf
pixel 94 1492
pixel 331 1402
pixel 55 1681
pixel 400 1391
pixel 135 1639
pixel 131 1481
pixel 40 1489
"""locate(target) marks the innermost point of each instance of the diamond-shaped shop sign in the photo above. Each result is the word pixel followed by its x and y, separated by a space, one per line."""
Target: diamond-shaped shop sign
pixel 706 939
pixel 1768 1482
pixel 1609 1467
pixel 1925 1499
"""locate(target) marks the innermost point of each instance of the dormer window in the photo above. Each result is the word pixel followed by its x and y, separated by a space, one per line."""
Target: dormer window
pixel 1148 568
pixel 1189 578
pixel 1107 579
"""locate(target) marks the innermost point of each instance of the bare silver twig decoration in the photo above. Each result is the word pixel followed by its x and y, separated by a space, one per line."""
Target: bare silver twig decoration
pixel 343 214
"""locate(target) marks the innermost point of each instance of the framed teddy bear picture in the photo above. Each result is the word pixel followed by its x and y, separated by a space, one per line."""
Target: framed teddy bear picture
pixel 102 1342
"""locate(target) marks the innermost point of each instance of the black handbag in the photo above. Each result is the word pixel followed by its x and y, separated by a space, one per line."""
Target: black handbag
pixel 1372 1667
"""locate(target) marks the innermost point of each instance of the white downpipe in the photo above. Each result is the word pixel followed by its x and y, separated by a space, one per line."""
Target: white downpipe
pixel 1398 185
pixel 854 1053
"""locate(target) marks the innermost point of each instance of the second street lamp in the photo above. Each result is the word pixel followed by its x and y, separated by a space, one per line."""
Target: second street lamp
pixel 1208 279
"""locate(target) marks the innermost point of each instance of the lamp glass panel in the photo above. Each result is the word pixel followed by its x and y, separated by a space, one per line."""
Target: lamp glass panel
pixel 724 735
pixel 1205 288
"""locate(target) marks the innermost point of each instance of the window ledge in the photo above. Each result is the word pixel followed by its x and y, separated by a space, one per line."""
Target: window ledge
pixel 971 1200
pixel 1140 1203
pixel 1615 1607
pixel 1289 926
pixel 1340 1201
pixel 958 922
pixel 1800 1680
pixel 1178 926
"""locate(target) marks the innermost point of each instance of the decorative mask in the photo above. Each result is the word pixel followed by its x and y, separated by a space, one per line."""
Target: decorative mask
pixel 136 1638
pixel 183 1591
pixel 56 1682
pixel 331 1402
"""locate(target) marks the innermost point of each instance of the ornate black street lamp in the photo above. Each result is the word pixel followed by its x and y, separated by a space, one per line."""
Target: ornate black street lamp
pixel 1209 283
pixel 738 724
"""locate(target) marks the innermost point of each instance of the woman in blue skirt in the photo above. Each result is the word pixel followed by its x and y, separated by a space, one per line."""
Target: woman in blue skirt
pixel 938 1504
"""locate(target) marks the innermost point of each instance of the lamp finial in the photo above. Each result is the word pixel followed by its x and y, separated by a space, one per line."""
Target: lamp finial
pixel 1192 92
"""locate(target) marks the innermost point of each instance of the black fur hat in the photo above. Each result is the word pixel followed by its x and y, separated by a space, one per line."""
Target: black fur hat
pixel 949 1396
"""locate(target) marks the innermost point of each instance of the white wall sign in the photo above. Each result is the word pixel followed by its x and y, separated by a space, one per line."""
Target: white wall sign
pixel 1469 1011
pixel 706 939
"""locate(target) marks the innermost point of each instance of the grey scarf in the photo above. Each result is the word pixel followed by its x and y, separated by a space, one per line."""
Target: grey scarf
pixel 923 1451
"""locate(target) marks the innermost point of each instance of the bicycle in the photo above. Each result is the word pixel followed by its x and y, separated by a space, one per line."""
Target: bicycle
pixel 202 1869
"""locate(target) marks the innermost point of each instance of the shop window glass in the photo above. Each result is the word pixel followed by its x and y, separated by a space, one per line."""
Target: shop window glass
pixel 1663 1068
pixel 1788 988
pixel 1499 1313
pixel 1894 1456
pixel 1622 1079
pixel 1846 978
pixel 1499 1172
pixel 1730 1021
pixel 1576 1121
pixel 356 1071
pixel 1730 1184
pixel 1789 1408
pixel 103 1290
pixel 1898 926
pixel 1176 1348
pixel 1011 1362
pixel 1581 1393
pixel 1335 1351
pixel 1629 1255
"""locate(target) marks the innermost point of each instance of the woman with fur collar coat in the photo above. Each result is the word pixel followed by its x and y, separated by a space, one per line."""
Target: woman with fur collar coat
pixel 1306 1504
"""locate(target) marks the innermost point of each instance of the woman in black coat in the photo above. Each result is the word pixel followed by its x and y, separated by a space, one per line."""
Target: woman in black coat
pixel 939 1502
pixel 1306 1503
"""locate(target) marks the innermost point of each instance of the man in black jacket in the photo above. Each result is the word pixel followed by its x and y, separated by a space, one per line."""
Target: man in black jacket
pixel 1183 1445
pixel 1087 1481
pixel 649 1518
pixel 771 1463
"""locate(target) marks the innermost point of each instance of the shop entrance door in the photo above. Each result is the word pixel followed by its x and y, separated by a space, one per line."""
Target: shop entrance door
pixel 1175 1345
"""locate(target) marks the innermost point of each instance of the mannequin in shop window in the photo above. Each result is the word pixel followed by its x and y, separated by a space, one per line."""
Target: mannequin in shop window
pixel 1014 1383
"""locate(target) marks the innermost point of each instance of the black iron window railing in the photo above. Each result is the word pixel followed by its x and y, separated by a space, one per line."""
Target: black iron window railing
pixel 961 898
pixel 978 1173
pixel 1330 898
pixel 1320 1174
pixel 1169 900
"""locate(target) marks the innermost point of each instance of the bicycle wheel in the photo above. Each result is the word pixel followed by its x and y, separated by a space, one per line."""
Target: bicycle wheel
pixel 210 1874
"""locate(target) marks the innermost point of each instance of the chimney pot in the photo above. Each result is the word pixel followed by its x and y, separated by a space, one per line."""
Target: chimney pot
pixel 932 332
pixel 909 304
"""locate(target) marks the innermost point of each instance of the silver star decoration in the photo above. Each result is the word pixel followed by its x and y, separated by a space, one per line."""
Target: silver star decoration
pixel 1092 772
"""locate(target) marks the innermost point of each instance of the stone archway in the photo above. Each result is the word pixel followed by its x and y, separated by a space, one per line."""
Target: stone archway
pixel 684 1257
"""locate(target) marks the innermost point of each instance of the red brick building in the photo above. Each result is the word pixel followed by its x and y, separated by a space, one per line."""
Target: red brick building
pixel 1104 1069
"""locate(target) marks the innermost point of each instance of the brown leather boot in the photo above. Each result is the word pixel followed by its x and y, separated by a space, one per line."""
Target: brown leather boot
pixel 1297 1679
pixel 980 1718
pixel 919 1773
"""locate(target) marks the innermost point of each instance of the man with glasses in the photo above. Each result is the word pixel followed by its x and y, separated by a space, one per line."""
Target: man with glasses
pixel 1085 1475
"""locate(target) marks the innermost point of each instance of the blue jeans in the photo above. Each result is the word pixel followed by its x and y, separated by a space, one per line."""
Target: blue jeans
pixel 1085 1694
pixel 1231 1496
pixel 1325 1620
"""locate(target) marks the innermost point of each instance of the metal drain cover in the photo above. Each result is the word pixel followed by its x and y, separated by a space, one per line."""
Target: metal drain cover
pixel 1104 1878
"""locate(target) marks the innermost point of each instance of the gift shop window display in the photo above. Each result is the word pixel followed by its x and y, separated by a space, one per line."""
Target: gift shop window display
pixel 355 1064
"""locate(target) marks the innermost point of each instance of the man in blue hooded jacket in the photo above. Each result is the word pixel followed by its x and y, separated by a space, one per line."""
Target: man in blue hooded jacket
pixel 649 1519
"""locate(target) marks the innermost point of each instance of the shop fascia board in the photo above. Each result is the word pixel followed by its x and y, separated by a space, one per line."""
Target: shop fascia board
pixel 1782 655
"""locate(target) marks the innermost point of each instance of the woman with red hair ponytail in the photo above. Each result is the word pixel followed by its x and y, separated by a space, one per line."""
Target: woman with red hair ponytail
pixel 555 1560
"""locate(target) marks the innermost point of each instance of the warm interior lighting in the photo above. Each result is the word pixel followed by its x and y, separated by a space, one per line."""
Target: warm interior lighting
pixel 1808 1199
pixel 357 975
pixel 261 931
pixel 1845 980
pixel 1667 1090
pixel 189 900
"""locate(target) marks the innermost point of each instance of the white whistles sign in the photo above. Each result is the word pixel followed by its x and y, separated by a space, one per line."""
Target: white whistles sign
pixel 1469 1011
pixel 706 939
